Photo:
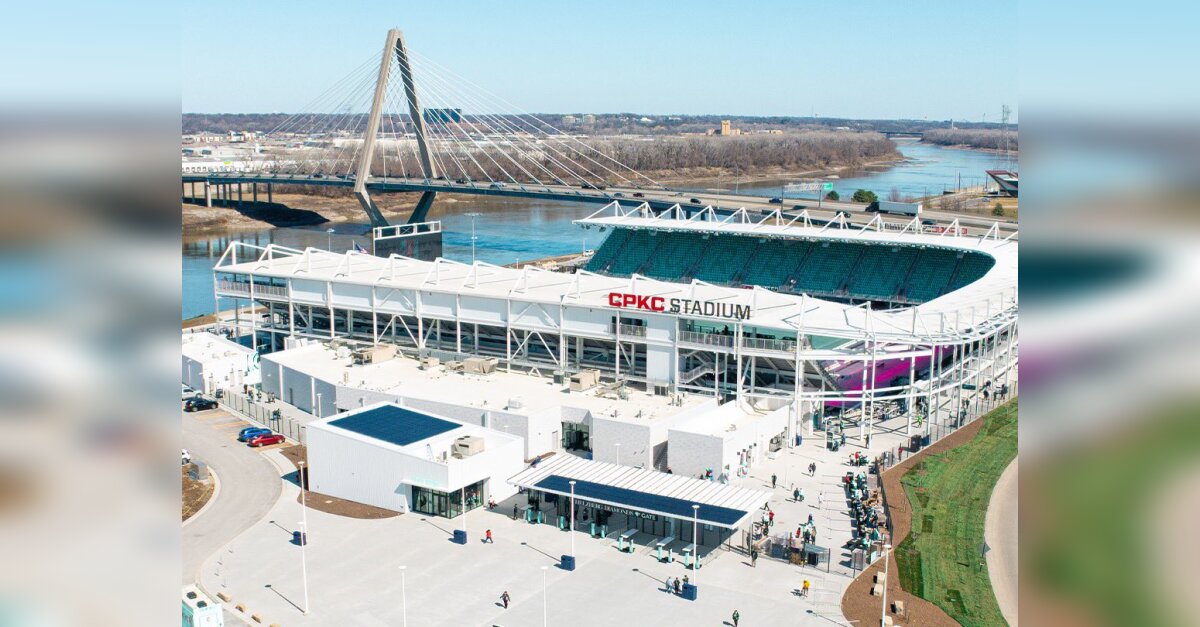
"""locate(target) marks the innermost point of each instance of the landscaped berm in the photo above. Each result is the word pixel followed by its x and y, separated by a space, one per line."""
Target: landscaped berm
pixel 941 559
pixel 938 503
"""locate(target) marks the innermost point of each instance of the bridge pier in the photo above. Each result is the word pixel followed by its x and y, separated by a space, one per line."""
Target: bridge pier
pixel 239 185
pixel 254 192
pixel 207 195
pixel 269 198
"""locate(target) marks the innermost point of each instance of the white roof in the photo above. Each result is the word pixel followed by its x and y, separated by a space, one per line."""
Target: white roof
pixel 647 481
pixel 968 312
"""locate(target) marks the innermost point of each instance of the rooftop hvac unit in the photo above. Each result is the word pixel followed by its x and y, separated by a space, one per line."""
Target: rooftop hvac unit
pixel 585 380
pixel 467 446
pixel 374 354
pixel 480 365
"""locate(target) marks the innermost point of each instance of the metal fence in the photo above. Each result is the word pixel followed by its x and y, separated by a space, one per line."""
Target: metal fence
pixel 265 415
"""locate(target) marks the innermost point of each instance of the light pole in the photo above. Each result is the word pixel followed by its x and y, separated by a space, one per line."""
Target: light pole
pixel 463 497
pixel 403 598
pixel 883 609
pixel 695 541
pixel 329 239
pixel 304 562
pixel 544 569
pixel 303 504
pixel 473 215
pixel 318 407
pixel 571 521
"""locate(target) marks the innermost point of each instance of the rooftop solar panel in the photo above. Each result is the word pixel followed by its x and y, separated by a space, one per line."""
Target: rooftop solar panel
pixel 644 501
pixel 396 425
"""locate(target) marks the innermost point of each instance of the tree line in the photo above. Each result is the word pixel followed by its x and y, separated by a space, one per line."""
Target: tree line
pixel 975 138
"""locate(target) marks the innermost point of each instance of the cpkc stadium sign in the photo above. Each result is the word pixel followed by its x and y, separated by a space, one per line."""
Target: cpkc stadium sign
pixel 683 306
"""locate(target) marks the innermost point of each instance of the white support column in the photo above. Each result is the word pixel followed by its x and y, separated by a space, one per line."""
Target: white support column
pixel 253 318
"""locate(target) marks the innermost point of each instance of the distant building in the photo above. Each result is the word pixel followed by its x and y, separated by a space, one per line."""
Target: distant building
pixel 726 129
pixel 589 118
pixel 568 119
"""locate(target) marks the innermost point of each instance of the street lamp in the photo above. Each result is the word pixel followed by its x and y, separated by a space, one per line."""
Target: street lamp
pixel 304 562
pixel 403 598
pixel 473 215
pixel 883 609
pixel 544 569
pixel 303 504
pixel 329 239
pixel 571 521
pixel 695 541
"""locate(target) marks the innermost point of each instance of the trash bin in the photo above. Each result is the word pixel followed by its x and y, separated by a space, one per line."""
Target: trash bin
pixel 299 538
pixel 689 591
pixel 567 563
pixel 460 536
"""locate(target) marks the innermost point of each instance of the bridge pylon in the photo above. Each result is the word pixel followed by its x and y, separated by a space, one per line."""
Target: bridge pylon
pixel 394 44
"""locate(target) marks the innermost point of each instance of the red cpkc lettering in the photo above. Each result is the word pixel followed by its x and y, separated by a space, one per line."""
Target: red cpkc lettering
pixel 649 303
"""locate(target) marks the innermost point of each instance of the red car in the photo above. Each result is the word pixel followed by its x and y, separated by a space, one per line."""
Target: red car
pixel 266 440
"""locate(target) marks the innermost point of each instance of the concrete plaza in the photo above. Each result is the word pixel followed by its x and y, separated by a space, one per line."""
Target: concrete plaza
pixel 354 574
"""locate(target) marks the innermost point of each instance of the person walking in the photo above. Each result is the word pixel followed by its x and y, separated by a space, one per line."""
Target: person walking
pixel 736 618
pixel 677 587
pixel 754 557
pixel 804 590
pixel 488 537
pixel 796 495
pixel 770 519
pixel 504 598
pixel 514 511
pixel 774 480
pixel 820 500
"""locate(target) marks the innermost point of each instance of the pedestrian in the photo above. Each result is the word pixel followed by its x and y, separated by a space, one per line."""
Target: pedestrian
pixel 812 469
pixel 810 520
pixel 800 497
pixel 771 518
pixel 796 495
pixel 685 580
pixel 488 537
pixel 804 590
pixel 774 479
pixel 754 557
pixel 504 599
pixel 514 511
pixel 677 588
pixel 736 618
pixel 820 500
pixel 798 528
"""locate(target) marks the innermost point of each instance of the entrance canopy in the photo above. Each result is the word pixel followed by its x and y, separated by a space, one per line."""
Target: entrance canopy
pixel 646 491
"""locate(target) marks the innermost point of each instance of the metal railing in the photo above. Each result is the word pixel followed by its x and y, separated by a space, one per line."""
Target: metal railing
pixel 264 415
pixel 225 285
pixel 401 230
pixel 631 330
pixel 706 339
pixel 763 344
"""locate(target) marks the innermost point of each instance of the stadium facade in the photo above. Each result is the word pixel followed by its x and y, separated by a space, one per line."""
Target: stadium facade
pixel 879 320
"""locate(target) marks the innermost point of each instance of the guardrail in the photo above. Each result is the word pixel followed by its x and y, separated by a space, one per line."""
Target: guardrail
pixel 404 230
pixel 631 330
pixel 763 344
pixel 225 285
pixel 706 339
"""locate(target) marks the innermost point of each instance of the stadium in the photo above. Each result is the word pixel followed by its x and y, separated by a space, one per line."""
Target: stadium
pixel 886 325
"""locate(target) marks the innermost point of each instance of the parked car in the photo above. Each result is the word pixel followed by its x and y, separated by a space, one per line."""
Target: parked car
pixel 928 222
pixel 619 195
pixel 776 201
pixel 638 195
pixel 696 201
pixel 801 207
pixel 249 433
pixel 266 440
pixel 199 403
pixel 188 392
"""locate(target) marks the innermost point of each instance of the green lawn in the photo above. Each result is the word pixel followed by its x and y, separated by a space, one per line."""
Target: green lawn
pixel 940 559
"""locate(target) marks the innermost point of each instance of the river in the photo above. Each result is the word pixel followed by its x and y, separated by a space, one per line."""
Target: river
pixel 517 230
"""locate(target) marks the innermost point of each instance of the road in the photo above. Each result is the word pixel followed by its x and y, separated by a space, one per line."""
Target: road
pixel 250 486
pixel 1000 533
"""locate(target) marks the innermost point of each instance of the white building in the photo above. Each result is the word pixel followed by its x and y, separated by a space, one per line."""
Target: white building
pixel 391 456
pixel 210 361
pixel 726 438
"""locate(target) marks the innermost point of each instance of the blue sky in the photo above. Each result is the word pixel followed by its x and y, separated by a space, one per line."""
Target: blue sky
pixel 933 60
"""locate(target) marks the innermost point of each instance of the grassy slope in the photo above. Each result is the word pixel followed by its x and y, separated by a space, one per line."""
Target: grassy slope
pixel 940 559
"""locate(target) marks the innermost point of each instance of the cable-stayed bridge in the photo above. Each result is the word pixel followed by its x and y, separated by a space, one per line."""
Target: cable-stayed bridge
pixel 381 130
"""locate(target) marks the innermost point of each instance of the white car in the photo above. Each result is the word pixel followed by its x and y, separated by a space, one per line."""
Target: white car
pixel 188 392
pixel 187 457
